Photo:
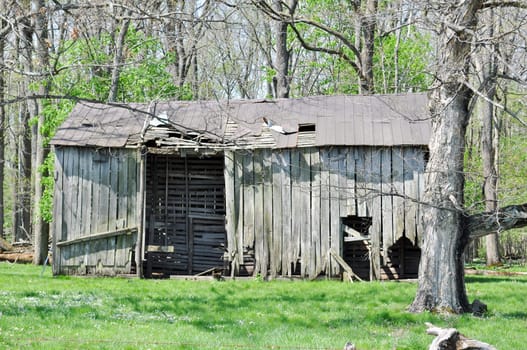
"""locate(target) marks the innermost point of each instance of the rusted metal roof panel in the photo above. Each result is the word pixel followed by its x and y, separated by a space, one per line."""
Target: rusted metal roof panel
pixel 353 120
pixel 99 125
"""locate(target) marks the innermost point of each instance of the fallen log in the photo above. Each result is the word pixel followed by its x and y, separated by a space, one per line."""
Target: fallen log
pixel 15 257
pixel 5 245
pixel 451 339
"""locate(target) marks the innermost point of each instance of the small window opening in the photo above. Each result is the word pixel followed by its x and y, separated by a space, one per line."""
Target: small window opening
pixel 306 127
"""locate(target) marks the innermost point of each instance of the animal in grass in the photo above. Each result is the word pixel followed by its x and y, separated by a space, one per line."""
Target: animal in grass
pixel 349 346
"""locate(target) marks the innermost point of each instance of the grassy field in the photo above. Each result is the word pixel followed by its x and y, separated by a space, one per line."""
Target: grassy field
pixel 38 311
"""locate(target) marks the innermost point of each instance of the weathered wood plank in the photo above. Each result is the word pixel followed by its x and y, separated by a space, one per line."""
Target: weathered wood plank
pixel 343 183
pixel 73 202
pixel 259 233
pixel 318 241
pixel 351 195
pixel 267 208
pixel 104 192
pixel 325 214
pixel 344 264
pixel 386 201
pixel 305 212
pixel 81 199
pixel 398 187
pixel 97 236
pixel 296 209
pixel 113 193
pixel 276 248
pixel 285 179
pixel 231 209
pixel 361 176
pixel 375 210
pixel 411 193
pixel 134 176
pixel 123 197
pixel 335 159
pixel 420 174
pixel 248 200
pixel 58 213
pixel 239 205
pixel 96 181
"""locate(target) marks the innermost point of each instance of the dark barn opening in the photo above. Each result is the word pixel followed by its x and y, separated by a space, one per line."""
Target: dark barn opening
pixel 403 260
pixel 185 215
pixel 356 245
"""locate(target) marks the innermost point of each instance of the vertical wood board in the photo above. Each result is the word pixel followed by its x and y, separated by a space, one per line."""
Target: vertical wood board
pixel 308 266
pixel 275 258
pixel 386 201
pixel 285 179
pixel 317 240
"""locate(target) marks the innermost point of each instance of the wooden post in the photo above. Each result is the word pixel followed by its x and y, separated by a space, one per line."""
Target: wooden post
pixel 139 247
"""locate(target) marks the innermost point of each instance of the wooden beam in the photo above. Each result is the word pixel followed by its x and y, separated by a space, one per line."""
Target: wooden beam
pixel 95 236
pixel 344 264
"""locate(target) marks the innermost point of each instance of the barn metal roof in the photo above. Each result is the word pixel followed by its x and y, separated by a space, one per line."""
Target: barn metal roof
pixel 353 120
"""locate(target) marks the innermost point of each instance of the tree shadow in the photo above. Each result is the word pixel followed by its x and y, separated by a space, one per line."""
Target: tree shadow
pixel 494 279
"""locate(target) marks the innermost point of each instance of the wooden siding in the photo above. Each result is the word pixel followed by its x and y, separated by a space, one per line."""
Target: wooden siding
pixel 284 208
pixel 95 214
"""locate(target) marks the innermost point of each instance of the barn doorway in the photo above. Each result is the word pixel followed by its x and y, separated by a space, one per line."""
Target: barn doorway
pixel 185 215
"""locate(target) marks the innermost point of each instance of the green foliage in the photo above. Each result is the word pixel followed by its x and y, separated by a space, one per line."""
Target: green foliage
pixel 42 312
pixel 409 57
pixel 512 172
pixel 84 73
pixel 144 75
pixel 513 169
pixel 46 202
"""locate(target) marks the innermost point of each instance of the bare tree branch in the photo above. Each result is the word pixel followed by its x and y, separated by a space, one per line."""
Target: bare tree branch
pixel 482 224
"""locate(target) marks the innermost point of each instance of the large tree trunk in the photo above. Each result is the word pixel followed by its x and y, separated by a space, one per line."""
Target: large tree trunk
pixel 40 227
pixel 118 59
pixel 281 80
pixel 441 272
pixel 21 216
pixel 441 276
pixel 368 26
pixel 486 65
pixel 2 126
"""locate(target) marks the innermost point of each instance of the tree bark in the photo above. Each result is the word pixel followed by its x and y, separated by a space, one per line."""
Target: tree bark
pixel 483 224
pixel 118 60
pixel 21 217
pixel 281 80
pixel 2 125
pixel 368 26
pixel 441 285
pixel 40 227
pixel 486 65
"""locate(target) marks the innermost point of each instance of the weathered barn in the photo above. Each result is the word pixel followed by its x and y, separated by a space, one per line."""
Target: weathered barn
pixel 308 187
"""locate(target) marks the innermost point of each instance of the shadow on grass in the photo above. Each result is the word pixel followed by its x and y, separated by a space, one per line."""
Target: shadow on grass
pixel 495 279
pixel 519 315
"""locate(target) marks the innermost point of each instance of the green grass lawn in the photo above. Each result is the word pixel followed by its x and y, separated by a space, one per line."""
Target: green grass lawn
pixel 38 311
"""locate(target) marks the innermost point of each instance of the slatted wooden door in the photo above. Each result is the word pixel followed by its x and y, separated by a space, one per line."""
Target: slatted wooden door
pixel 185 206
